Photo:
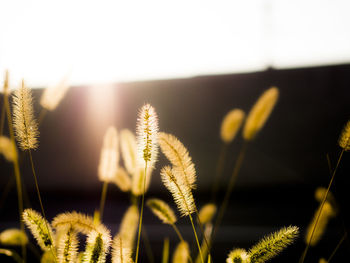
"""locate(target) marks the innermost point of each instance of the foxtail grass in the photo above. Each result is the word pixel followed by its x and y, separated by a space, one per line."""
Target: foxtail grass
pixel 122 180
pixel 97 246
pixel 273 244
pixel 67 249
pixel 120 252
pixel 238 255
pixel 182 195
pixel 16 169
pixel 343 145
pixel 181 253
pixel 13 237
pixel 128 147
pixel 165 255
pixel 147 150
pixel 53 95
pixel 128 226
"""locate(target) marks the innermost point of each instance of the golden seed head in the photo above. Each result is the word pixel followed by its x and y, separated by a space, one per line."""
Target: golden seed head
pixel 207 213
pixel 179 189
pixel 273 244
pixel 120 252
pixel 129 225
pixel 52 96
pixel 238 255
pixel 40 229
pixel 67 250
pixel 321 192
pixel 122 180
pixel 260 112
pixel 162 210
pixel 326 214
pixel 129 150
pixel 108 165
pixel 147 135
pixel 231 124
pixel 8 149
pixel 344 139
pixel 25 126
pixel 181 254
pixel 13 237
pixel 179 157
pixel 97 246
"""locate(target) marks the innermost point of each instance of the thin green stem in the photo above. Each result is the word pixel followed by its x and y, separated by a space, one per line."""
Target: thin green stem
pixel 302 258
pixel 203 234
pixel 147 244
pixel 16 169
pixel 337 247
pixel 40 201
pixel 219 170
pixel 229 189
pixel 103 199
pixel 195 235
pixel 181 239
pixel 141 214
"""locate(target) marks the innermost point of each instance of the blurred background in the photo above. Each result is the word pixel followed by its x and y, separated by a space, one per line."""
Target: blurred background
pixel 193 61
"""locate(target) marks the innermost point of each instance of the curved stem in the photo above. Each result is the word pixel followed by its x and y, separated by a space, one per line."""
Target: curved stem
pixel 302 258
pixel 219 170
pixel 141 214
pixel 16 168
pixel 181 239
pixel 337 247
pixel 229 189
pixel 103 199
pixel 195 234
pixel 40 201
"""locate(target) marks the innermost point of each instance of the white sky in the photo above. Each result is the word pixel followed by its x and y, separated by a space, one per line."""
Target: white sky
pixel 109 41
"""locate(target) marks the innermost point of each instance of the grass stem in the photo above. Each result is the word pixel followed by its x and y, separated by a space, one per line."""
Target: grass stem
pixel 337 247
pixel 195 235
pixel 103 199
pixel 181 238
pixel 302 258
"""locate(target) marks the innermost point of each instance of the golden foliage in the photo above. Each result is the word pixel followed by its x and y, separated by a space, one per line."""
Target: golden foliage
pixel 7 149
pixel 231 124
pixel 207 213
pixel 120 252
pixel 129 150
pixel 138 187
pixel 52 95
pixel 122 180
pixel 179 189
pixel 13 237
pixel 67 249
pixel 97 246
pixel 128 226
pixel 162 210
pixel 26 127
pixel 179 157
pixel 260 112
pixel 109 158
pixel 181 254
pixel 326 213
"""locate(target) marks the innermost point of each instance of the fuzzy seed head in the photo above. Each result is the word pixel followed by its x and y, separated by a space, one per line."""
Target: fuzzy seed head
pixel 13 237
pixel 260 112
pixel 8 149
pixel 272 245
pixel 67 250
pixel 122 180
pixel 52 96
pixel 321 192
pixel 179 189
pixel 181 254
pixel 231 124
pixel 207 213
pixel 138 187
pixel 129 225
pixel 40 229
pixel 238 255
pixel 120 252
pixel 97 246
pixel 129 150
pixel 80 222
pixel 162 210
pixel 179 157
pixel 109 156
pixel 147 135
pixel 25 126
pixel 326 214
pixel 344 139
